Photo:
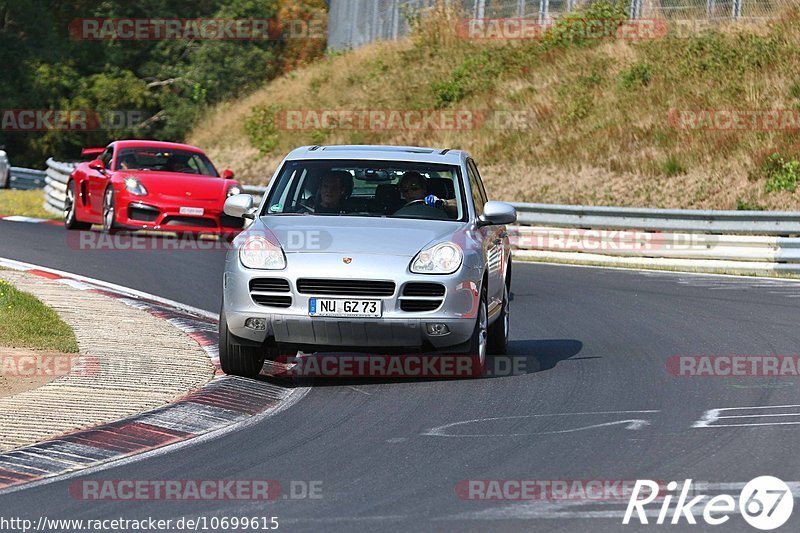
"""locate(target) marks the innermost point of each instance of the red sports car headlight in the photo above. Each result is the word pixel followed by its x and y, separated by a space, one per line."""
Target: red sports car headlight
pixel 134 186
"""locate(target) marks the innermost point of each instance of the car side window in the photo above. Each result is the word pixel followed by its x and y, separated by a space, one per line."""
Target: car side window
pixel 476 187
pixel 480 180
pixel 195 164
pixel 105 157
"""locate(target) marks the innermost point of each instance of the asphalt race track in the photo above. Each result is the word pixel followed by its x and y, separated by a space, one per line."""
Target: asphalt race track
pixel 593 401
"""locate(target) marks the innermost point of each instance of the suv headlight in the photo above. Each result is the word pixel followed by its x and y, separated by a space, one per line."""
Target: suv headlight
pixel 233 191
pixel 259 253
pixel 134 186
pixel 443 258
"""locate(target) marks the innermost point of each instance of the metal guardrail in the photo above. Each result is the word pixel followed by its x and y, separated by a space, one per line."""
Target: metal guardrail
pixel 743 242
pixel 785 223
pixel 26 178
pixel 55 189
pixel 747 242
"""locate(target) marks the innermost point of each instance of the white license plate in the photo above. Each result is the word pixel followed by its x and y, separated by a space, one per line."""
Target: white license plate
pixel 344 307
pixel 198 211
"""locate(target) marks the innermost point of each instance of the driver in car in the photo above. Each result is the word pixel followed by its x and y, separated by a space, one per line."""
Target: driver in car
pixel 414 191
pixel 334 188
pixel 177 163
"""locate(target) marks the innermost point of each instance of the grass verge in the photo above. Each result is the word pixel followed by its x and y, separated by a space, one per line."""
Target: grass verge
pixel 25 322
pixel 24 203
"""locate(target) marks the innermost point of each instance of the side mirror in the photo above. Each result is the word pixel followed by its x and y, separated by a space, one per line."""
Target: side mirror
pixel 227 174
pixel 97 165
pixel 240 206
pixel 497 213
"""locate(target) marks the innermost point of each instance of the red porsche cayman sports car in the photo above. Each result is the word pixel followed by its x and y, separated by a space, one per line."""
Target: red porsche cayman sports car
pixel 150 185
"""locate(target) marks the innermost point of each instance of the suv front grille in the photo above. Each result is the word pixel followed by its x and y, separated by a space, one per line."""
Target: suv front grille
pixel 435 290
pixel 419 297
pixel 269 285
pixel 272 300
pixel 261 289
pixel 418 306
pixel 345 287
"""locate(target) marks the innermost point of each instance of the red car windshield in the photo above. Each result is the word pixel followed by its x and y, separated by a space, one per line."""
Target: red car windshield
pixel 181 161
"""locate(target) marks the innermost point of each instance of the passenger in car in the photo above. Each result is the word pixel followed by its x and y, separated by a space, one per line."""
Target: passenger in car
pixel 414 190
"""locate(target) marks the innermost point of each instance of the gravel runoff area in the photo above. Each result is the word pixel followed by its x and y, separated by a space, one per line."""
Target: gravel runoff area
pixel 130 362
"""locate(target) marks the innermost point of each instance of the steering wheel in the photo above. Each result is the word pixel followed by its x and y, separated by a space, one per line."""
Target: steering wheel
pixel 304 208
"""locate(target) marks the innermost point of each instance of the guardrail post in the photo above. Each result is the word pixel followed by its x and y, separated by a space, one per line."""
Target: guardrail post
pixel 544 11
pixel 375 34
pixel 737 9
pixel 635 9
pixel 479 9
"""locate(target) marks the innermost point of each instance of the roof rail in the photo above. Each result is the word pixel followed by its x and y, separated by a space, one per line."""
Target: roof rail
pixel 313 148
pixel 444 151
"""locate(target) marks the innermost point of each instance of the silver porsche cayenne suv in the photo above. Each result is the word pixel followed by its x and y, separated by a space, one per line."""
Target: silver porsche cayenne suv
pixel 367 249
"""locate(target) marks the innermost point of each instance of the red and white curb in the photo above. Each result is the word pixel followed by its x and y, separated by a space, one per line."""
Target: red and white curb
pixel 224 404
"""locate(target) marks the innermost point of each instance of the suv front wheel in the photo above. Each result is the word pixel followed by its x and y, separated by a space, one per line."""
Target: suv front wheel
pixel 235 357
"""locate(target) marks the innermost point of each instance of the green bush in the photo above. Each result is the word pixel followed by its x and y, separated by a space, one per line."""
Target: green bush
pixel 261 129
pixel 782 173
pixel 573 29
pixel 639 75
pixel 672 167
pixel 794 90
pixel 476 72
pixel 748 205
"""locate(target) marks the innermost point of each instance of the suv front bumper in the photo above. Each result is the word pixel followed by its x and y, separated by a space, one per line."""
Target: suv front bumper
pixel 395 329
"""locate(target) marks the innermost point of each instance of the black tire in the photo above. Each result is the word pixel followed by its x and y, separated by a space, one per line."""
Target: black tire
pixel 235 358
pixel 109 211
pixel 478 345
pixel 498 332
pixel 71 221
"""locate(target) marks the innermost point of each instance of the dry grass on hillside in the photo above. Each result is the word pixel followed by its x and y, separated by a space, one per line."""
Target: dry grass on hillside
pixel 598 129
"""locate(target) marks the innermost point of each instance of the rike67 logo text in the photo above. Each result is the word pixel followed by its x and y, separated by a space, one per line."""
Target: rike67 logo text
pixel 765 503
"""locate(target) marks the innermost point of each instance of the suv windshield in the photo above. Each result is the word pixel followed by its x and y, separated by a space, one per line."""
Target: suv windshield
pixel 182 161
pixel 368 188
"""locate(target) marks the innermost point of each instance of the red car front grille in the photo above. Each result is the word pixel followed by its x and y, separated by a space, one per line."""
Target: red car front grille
pixel 189 221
